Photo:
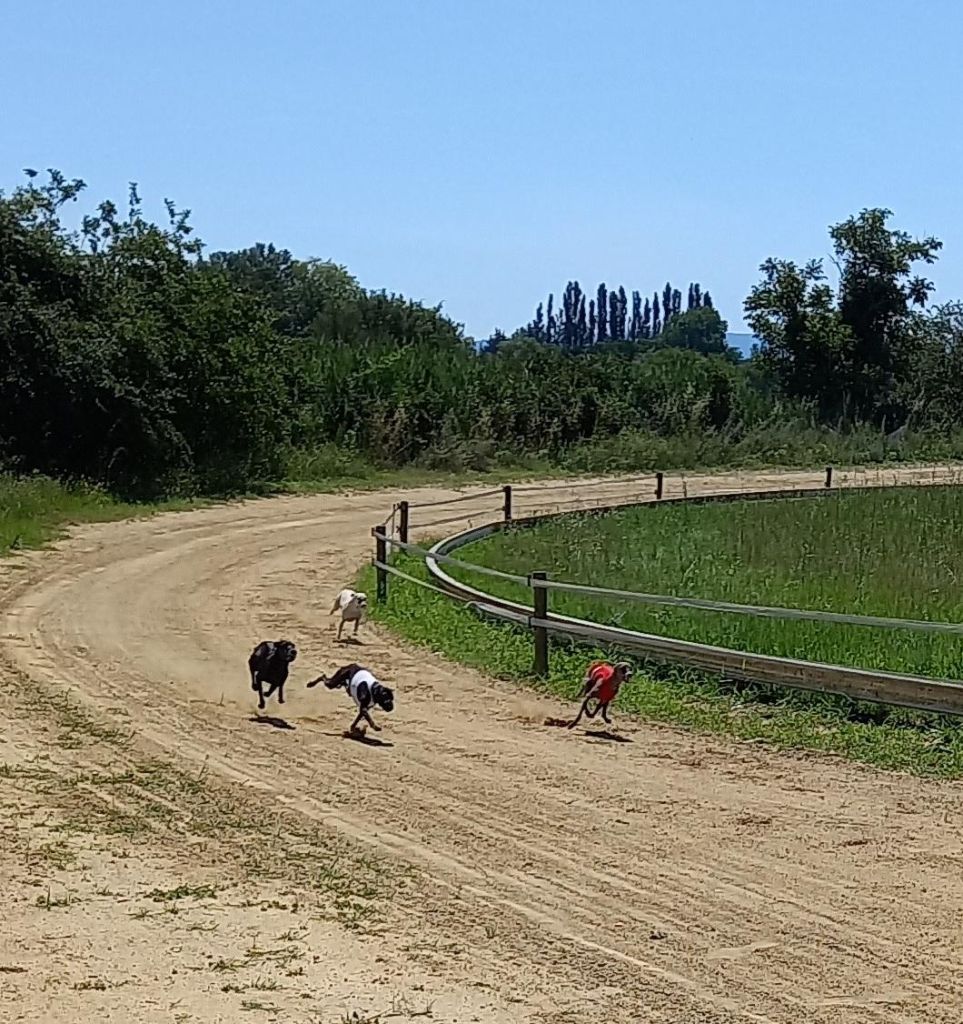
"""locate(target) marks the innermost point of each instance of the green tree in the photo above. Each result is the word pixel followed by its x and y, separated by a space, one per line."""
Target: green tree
pixel 601 312
pixel 699 330
pixel 635 323
pixel 849 350
pixel 878 295
pixel 803 342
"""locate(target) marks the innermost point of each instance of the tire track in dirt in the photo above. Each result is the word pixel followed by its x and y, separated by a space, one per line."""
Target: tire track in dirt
pixel 677 876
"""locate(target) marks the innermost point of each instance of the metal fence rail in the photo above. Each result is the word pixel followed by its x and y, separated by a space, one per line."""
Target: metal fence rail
pixel 756 611
pixel 935 695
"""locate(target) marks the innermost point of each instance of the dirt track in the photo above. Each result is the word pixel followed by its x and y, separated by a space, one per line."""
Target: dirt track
pixel 553 876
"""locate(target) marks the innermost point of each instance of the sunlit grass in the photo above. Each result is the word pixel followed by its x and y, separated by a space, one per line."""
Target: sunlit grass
pixel 893 552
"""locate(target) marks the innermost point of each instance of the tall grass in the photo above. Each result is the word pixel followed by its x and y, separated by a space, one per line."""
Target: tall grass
pixel 894 552
pixel 780 440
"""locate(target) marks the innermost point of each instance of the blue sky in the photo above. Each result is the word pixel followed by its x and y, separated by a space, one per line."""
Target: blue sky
pixel 484 153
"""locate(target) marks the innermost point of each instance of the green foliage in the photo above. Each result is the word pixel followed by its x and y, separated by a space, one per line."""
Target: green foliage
pixel 607 318
pixel 126 359
pixel 130 359
pixel 851 351
pixel 122 364
pixel 698 330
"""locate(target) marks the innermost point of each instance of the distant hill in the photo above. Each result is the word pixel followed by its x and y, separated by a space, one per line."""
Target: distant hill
pixel 743 342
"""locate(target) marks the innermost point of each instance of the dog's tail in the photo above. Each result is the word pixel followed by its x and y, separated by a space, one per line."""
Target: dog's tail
pixel 321 679
pixel 334 607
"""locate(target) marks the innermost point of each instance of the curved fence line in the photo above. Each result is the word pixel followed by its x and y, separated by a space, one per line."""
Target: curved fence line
pixel 577 484
pixel 450 519
pixel 924 694
pixel 454 501
pixel 759 611
pixel 448 560
pixel 919 692
pixel 697 604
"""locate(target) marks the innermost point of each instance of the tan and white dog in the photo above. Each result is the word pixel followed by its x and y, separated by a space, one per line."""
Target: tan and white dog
pixel 353 605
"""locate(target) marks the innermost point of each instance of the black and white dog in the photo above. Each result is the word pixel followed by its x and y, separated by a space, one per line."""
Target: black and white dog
pixel 363 689
pixel 270 663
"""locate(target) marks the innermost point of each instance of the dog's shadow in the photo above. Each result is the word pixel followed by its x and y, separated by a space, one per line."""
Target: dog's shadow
pixel 352 641
pixel 589 734
pixel 365 739
pixel 604 734
pixel 272 721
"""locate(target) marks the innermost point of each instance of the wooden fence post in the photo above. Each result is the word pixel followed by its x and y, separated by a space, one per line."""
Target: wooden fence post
pixel 381 556
pixel 658 486
pixel 508 502
pixel 829 476
pixel 540 606
pixel 403 522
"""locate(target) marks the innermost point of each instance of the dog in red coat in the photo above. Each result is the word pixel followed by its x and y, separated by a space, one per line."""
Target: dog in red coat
pixel 601 685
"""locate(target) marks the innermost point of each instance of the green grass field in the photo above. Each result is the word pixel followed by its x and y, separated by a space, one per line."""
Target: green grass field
pixel 894 553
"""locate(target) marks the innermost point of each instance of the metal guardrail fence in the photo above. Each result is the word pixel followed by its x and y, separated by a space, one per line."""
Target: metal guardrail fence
pixel 919 692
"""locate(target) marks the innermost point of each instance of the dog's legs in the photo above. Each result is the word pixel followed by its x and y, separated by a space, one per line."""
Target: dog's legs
pixel 581 711
pixel 605 714
pixel 253 680
pixel 260 694
pixel 340 627
pixel 281 693
pixel 340 678
pixel 356 722
pixel 357 622
pixel 370 721
pixel 270 690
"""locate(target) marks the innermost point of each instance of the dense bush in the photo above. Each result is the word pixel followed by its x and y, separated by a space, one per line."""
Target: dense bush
pixel 131 360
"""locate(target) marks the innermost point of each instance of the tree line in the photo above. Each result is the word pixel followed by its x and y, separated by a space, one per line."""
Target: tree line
pixel 608 316
pixel 131 357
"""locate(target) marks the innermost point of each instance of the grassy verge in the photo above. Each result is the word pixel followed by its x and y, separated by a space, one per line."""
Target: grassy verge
pixel 894 739
pixel 34 510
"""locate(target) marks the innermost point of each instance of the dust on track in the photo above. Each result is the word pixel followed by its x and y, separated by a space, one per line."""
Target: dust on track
pixel 544 875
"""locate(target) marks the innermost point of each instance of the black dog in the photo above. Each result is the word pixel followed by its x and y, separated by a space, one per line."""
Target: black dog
pixel 269 663
pixel 363 689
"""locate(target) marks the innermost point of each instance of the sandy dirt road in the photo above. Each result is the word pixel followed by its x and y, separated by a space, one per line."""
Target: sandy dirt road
pixel 479 866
